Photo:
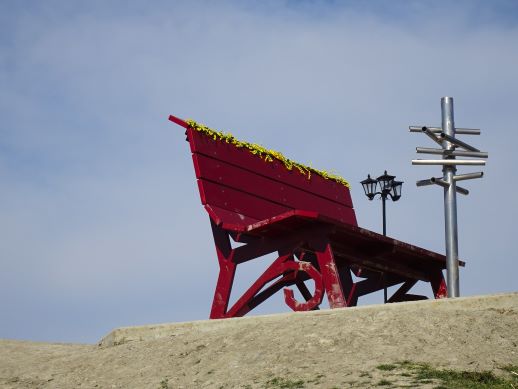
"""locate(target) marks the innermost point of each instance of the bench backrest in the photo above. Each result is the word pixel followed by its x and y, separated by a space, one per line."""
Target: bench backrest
pixel 241 188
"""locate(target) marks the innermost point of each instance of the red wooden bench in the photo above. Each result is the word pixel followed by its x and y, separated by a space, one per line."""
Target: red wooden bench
pixel 309 222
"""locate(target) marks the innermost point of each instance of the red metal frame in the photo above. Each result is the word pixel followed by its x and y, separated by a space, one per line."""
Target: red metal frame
pixel 311 226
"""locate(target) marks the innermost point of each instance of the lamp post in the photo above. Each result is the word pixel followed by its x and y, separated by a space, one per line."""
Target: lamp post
pixel 388 187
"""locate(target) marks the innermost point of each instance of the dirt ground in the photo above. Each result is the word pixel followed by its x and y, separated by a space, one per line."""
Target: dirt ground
pixel 342 348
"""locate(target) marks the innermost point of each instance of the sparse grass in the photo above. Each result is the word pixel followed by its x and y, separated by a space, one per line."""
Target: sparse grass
pixel 414 375
pixel 513 370
pixel 387 367
pixel 164 384
pixel 284 383
pixel 316 380
pixel 452 379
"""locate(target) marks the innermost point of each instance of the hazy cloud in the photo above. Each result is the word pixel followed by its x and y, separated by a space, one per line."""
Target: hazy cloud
pixel 100 215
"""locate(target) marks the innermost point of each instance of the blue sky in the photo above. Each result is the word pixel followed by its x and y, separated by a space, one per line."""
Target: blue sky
pixel 100 217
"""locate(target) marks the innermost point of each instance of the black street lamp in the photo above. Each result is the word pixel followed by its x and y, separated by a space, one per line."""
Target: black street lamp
pixel 387 187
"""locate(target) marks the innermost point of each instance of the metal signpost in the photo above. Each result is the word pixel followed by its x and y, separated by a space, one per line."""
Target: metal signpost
pixel 451 147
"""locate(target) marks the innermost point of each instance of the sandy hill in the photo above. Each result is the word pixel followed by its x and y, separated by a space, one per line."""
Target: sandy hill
pixel 370 346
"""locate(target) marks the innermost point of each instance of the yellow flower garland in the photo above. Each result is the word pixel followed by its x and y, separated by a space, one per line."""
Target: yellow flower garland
pixel 263 153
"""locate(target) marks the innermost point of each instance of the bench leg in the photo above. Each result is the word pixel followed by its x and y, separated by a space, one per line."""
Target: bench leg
pixel 330 276
pixel 348 285
pixel 304 291
pixel 399 295
pixel 284 266
pixel 439 285
pixel 227 271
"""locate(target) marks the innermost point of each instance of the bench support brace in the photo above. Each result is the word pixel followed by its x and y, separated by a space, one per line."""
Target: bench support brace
pixel 302 255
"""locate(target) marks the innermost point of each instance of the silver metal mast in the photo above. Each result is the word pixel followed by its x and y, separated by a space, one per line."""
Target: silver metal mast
pixel 445 136
pixel 450 201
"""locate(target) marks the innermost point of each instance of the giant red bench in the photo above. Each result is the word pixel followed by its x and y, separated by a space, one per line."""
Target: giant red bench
pixel 309 221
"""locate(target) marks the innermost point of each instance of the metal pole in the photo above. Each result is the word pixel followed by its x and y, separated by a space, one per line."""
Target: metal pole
pixel 456 153
pixel 464 131
pixel 450 201
pixel 385 296
pixel 448 161
pixel 383 199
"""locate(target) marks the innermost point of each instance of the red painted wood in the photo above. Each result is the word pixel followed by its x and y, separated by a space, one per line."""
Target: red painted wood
pixel 178 121
pixel 276 210
pixel 348 286
pixel 358 243
pixel 275 170
pixel 332 284
pixel 294 218
pixel 375 282
pixel 362 247
pixel 372 243
pixel 228 219
pixel 390 261
pixel 269 291
pixel 304 291
pixel 288 241
pixel 316 299
pixel 227 271
pixel 268 190
pixel 273 271
pixel 399 295
pixel 439 287
pixel 238 202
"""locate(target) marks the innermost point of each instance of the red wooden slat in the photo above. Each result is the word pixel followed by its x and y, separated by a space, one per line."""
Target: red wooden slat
pixel 222 216
pixel 238 202
pixel 275 170
pixel 296 215
pixel 178 121
pixel 256 185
